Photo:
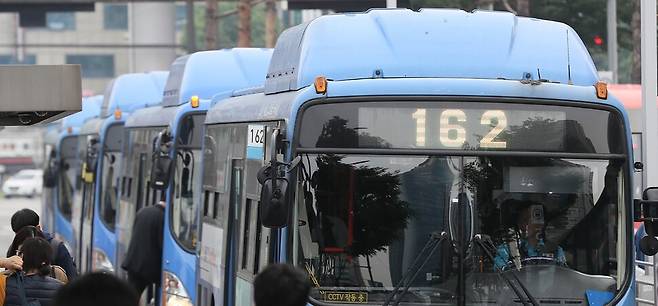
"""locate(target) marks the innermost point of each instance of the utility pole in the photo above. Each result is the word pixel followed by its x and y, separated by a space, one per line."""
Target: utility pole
pixel 270 23
pixel 612 39
pixel 649 70
pixel 212 21
pixel 190 31
pixel 244 26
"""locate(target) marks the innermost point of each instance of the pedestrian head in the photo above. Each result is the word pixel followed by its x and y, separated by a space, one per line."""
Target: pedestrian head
pixel 98 289
pixel 36 253
pixel 22 218
pixel 283 283
pixel 23 234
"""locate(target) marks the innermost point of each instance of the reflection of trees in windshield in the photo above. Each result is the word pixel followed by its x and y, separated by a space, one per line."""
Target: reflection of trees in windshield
pixel 363 200
pixel 555 135
pixel 336 134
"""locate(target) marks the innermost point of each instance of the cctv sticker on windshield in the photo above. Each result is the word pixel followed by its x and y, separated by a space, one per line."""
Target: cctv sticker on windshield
pixel 345 297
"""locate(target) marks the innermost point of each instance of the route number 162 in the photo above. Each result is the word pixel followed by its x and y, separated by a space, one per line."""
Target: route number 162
pixel 452 133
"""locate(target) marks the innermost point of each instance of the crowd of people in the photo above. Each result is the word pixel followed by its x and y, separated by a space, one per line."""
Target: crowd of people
pixel 39 270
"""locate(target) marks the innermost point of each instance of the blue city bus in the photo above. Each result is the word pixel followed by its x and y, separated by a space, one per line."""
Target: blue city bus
pixel 194 79
pixel 62 174
pixel 100 148
pixel 397 156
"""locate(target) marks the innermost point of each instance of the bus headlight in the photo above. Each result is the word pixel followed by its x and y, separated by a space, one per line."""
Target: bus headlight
pixel 101 262
pixel 173 292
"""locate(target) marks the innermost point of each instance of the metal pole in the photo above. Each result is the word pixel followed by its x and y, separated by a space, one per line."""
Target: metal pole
pixel 391 3
pixel 612 39
pixel 190 30
pixel 649 70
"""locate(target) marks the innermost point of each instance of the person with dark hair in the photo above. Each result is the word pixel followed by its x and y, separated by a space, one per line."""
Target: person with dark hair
pixel 143 259
pixel 22 234
pixel 281 285
pixel 525 242
pixel 61 256
pixel 34 280
pixel 97 289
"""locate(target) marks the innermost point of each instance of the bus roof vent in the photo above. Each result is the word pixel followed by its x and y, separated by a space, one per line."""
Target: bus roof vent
pixel 430 43
pixel 207 73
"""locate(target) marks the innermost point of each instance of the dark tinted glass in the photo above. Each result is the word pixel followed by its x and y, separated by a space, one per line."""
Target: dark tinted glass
pixel 462 126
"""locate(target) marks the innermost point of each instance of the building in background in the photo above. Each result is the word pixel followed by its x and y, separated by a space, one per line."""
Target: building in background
pixel 114 39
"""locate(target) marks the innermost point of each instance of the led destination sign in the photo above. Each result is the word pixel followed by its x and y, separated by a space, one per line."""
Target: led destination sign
pixel 462 126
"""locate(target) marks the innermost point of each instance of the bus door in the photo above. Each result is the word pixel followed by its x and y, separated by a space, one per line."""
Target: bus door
pixel 135 190
pixel 234 246
pixel 88 195
pixel 104 252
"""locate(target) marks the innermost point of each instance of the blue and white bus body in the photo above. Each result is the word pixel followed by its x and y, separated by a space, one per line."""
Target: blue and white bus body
pixel 126 94
pixel 63 204
pixel 198 76
pixel 382 65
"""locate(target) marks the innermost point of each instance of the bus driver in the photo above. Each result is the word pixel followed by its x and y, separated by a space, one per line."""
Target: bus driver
pixel 526 243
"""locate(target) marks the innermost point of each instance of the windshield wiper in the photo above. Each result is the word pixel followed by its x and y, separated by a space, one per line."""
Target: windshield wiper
pixel 482 242
pixel 431 245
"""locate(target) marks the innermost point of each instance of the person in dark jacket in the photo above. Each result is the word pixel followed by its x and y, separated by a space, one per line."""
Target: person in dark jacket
pixel 62 257
pixel 38 286
pixel 97 289
pixel 143 259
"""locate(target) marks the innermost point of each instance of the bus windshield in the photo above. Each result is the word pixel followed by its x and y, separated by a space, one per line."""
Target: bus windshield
pixel 549 225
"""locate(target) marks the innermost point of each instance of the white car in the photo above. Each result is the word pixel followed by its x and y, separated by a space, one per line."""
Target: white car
pixel 27 183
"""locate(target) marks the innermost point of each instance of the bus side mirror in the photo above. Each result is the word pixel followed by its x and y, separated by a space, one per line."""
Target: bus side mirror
pixel 162 164
pixel 274 194
pixel 646 210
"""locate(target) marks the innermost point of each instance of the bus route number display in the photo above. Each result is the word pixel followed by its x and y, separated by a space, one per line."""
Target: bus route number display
pixel 255 136
pixel 452 130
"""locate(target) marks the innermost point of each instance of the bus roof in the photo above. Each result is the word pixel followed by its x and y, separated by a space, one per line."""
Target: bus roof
pixel 91 107
pixel 430 43
pixel 206 73
pixel 132 91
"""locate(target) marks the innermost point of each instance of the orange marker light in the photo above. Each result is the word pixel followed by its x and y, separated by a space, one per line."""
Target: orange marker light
pixel 601 90
pixel 321 85
pixel 69 129
pixel 194 101
pixel 117 114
